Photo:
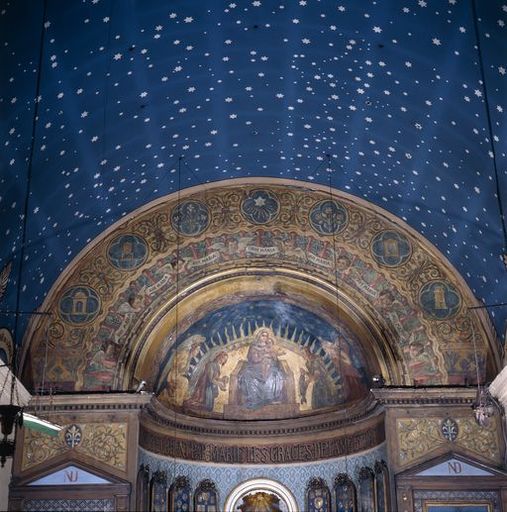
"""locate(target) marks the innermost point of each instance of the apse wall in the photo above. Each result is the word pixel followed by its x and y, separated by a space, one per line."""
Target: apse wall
pixel 260 331
pixel 295 477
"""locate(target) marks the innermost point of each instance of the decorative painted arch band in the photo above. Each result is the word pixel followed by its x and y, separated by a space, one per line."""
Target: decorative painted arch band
pixel 112 295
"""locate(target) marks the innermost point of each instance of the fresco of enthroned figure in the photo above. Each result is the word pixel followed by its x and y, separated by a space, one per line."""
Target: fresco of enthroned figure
pixel 254 372
pixel 263 378
pixel 264 382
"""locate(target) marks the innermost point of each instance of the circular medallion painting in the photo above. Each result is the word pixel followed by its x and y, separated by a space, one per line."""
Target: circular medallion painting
pixel 79 305
pixel 328 217
pixel 390 248
pixel 439 300
pixel 190 218
pixel 260 207
pixel 127 252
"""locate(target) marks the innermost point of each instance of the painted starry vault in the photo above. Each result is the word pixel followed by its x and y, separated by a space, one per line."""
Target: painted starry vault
pixel 99 99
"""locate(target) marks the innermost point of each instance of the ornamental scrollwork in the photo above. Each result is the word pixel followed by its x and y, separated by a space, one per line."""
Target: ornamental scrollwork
pixel 107 443
pixel 295 208
pixel 423 270
pixel 225 210
pixel 419 436
pixel 156 229
pixel 56 330
pixel 104 442
pixel 482 440
pixel 100 275
pixel 408 273
pixel 38 448
pixel 360 229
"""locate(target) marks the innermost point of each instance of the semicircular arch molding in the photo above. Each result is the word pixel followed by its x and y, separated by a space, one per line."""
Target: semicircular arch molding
pixel 330 347
pixel 264 488
pixel 107 304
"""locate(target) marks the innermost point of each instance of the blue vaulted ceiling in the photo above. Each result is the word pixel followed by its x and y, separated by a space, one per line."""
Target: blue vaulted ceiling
pixel 99 99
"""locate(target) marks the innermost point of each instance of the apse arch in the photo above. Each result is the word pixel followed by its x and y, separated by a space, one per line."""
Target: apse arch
pixel 311 334
pixel 110 298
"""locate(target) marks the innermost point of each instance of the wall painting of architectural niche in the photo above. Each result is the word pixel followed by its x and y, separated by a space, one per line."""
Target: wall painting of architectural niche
pixel 261 500
pixel 262 359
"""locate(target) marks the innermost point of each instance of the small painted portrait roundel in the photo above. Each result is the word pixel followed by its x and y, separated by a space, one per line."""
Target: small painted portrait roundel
pixel 190 218
pixel 127 252
pixel 260 207
pixel 328 217
pixel 390 248
pixel 439 300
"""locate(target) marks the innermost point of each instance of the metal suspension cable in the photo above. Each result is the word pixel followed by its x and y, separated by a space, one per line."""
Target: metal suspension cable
pixel 29 172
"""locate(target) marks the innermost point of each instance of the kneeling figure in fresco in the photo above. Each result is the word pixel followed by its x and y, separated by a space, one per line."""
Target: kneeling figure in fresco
pixel 205 388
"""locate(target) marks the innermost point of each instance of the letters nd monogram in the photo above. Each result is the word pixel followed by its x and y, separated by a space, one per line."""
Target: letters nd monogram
pixel 454 467
pixel 71 475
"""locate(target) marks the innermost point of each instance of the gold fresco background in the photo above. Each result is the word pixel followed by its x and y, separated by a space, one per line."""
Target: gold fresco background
pixel 293 359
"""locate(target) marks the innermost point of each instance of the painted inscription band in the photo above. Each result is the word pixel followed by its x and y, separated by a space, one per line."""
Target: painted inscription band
pixel 274 454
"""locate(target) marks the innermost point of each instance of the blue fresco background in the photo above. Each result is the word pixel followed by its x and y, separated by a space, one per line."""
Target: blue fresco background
pixel 100 98
pixel 287 320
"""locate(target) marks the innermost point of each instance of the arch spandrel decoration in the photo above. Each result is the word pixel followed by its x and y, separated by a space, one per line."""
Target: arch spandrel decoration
pixel 115 298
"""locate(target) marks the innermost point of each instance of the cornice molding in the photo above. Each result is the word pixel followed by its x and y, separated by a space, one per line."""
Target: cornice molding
pixel 168 420
pixel 416 396
pixel 89 402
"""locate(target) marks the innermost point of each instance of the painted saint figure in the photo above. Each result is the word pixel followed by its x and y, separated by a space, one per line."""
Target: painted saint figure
pixel 205 388
pixel 262 379
pixel 178 368
pixel 101 367
pixel 420 356
pixel 303 384
pixel 127 312
pixel 324 391
pixel 353 384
